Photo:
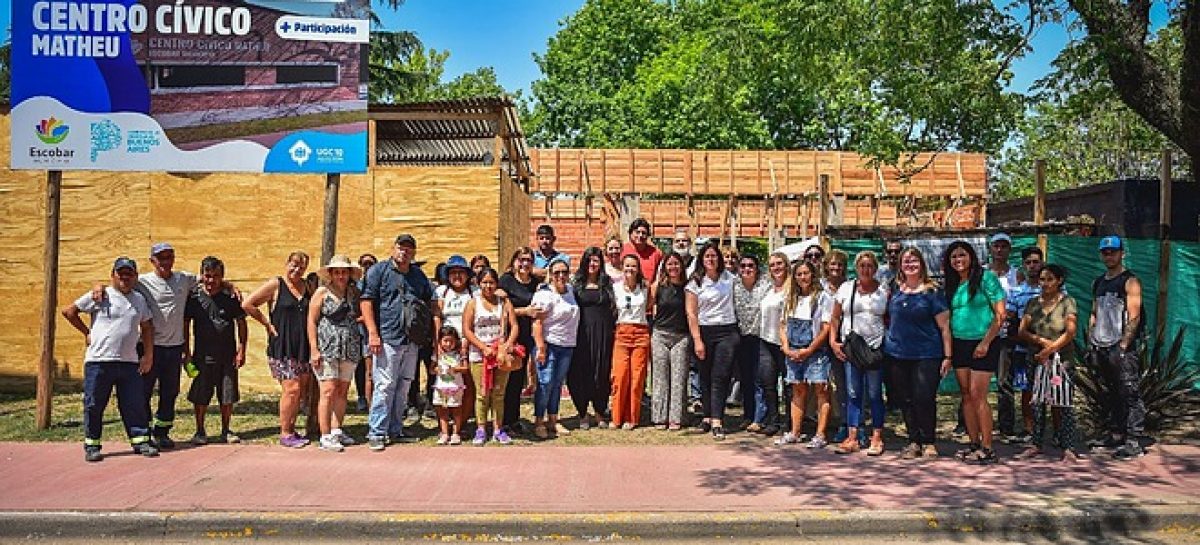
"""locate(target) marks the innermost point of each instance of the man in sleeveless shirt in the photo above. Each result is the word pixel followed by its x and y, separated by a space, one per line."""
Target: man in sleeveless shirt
pixel 1113 331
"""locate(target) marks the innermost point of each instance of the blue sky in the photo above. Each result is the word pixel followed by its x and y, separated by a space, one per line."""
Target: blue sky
pixel 504 34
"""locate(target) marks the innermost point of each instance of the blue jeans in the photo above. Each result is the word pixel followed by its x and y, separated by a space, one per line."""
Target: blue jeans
pixel 860 386
pixel 168 360
pixel 393 373
pixel 98 381
pixel 550 377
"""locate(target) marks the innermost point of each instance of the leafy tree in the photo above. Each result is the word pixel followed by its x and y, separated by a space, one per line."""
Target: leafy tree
pixel 1081 128
pixel 885 77
pixel 1164 93
pixel 5 71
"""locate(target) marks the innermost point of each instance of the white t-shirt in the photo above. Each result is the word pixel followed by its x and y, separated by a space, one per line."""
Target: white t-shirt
pixel 116 325
pixel 771 310
pixel 868 312
pixel 453 305
pixel 820 312
pixel 167 298
pixel 561 323
pixel 631 305
pixel 714 299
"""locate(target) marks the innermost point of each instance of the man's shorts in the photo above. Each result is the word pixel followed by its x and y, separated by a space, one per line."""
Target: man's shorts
pixel 219 378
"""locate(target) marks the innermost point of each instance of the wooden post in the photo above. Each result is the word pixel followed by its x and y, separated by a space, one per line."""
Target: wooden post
pixel 823 203
pixel 1164 245
pixel 1039 202
pixel 329 229
pixel 45 376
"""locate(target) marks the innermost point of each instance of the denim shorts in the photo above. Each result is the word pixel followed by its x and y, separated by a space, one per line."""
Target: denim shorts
pixel 814 370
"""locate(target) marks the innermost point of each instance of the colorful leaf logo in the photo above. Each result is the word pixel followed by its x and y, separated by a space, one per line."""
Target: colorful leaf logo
pixel 52 131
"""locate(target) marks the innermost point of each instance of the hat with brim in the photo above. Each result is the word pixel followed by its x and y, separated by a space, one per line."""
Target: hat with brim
pixel 340 262
pixel 457 262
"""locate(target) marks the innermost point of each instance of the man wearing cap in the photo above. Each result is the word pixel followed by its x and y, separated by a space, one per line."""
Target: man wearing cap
pixel 886 274
pixel 545 254
pixel 119 320
pixel 1113 331
pixel 389 292
pixel 999 250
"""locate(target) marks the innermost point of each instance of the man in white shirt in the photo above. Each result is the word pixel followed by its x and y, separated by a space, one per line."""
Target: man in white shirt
pixel 118 321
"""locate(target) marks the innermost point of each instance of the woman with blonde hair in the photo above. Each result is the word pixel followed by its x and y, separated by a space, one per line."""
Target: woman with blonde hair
pixel 859 308
pixel 805 319
pixel 287 339
pixel 917 349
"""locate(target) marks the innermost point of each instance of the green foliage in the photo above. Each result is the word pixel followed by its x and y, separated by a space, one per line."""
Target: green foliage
pixel 880 77
pixel 5 71
pixel 1080 126
pixel 1166 386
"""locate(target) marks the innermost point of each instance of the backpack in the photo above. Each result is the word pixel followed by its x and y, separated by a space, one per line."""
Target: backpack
pixel 417 317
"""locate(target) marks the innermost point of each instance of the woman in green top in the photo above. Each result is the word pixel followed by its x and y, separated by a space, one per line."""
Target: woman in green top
pixel 976 316
pixel 1048 329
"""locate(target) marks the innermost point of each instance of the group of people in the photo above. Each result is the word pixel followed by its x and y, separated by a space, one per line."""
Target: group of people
pixel 823 329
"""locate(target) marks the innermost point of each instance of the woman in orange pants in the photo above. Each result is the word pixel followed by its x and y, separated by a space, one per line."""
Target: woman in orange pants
pixel 631 344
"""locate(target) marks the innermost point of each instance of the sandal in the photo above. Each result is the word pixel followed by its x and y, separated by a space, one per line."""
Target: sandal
pixel 983 456
pixel 1028 454
pixel 964 453
pixel 849 446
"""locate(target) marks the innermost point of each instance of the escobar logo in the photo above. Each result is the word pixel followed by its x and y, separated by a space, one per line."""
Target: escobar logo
pixel 51 132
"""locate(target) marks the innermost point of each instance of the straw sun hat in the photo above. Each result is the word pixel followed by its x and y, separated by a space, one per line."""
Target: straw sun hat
pixel 340 262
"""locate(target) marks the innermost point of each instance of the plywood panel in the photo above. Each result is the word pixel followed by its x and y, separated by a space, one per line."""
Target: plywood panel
pixel 251 221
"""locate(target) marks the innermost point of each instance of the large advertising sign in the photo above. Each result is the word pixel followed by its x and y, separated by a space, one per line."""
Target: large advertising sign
pixel 190 85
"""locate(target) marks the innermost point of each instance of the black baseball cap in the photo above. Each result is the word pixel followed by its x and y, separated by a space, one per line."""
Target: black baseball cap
pixel 406 239
pixel 124 263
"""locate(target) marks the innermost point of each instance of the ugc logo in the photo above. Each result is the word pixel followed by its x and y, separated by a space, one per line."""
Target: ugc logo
pixel 52 131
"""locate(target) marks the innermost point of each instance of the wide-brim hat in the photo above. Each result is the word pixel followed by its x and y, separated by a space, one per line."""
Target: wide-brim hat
pixel 457 262
pixel 340 262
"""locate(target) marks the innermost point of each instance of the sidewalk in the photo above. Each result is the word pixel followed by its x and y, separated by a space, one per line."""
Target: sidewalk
pixel 662 489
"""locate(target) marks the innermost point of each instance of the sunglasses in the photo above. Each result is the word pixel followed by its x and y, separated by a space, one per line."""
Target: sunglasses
pixel 747 265
pixel 560 273
pixel 813 256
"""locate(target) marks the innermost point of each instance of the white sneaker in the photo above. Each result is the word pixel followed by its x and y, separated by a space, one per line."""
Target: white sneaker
pixel 330 443
pixel 818 442
pixel 788 438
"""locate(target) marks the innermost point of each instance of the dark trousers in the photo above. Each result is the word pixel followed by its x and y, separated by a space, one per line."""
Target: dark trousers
pixel 99 378
pixel 916 385
pixel 1125 409
pixel 517 380
pixel 168 360
pixel 419 398
pixel 771 370
pixel 716 369
pixel 360 380
pixel 589 380
pixel 747 373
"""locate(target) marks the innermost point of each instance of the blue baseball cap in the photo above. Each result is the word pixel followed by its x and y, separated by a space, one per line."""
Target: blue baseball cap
pixel 457 262
pixel 1111 243
pixel 124 263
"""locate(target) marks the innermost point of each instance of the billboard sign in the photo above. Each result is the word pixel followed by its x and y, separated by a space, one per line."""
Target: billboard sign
pixel 190 85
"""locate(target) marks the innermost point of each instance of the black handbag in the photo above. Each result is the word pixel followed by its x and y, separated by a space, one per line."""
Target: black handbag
pixel 858 350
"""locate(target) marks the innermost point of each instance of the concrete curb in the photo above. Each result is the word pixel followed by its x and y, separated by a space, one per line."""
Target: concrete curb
pixel 1006 521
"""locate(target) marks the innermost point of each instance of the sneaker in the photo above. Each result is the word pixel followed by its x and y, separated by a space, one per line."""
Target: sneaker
pixel 602 424
pixel 344 439
pixel 230 438
pixel 480 437
pixel 755 427
pixel 200 439
pixel 627 426
pixel 92 454
pixel 929 451
pixel 146 449
pixel 162 438
pixel 501 437
pixel 292 440
pixel 674 426
pixel 584 425
pixel 1129 451
pixel 718 433
pixel 788 438
pixel 330 443
pixel 817 442
pixel 443 439
pixel 911 452
pixel 402 438
pixel 376 443
pixel 455 439
pixel 561 429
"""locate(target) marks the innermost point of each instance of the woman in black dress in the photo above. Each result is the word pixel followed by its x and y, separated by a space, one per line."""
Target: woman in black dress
pixel 589 378
pixel 519 284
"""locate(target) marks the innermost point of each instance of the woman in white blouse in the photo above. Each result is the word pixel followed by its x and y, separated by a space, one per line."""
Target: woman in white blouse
pixel 869 300
pixel 631 344
pixel 715 335
pixel 770 355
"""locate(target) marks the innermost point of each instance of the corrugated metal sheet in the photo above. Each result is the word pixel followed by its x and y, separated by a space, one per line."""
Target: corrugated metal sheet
pixel 451 132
